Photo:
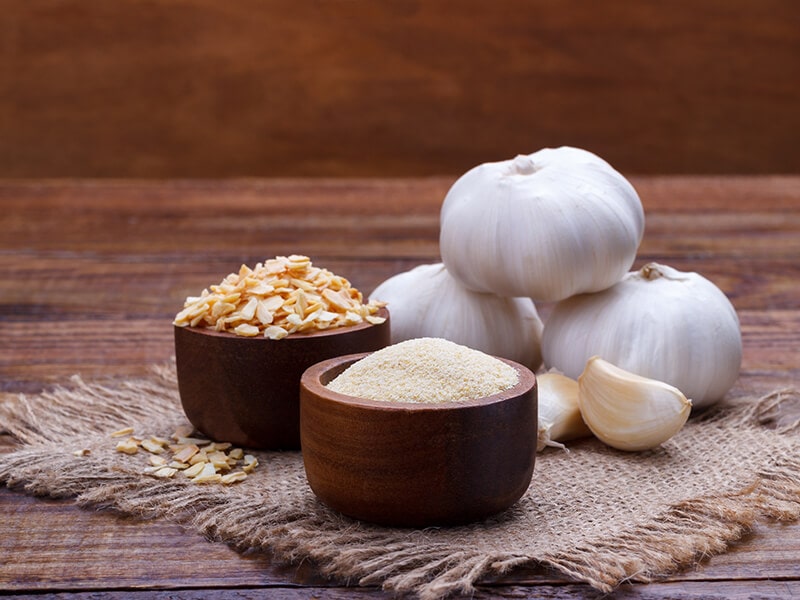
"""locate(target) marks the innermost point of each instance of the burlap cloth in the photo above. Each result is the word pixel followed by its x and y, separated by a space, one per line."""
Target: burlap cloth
pixel 595 514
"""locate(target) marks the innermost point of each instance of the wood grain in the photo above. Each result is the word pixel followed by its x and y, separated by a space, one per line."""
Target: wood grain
pixel 92 272
pixel 195 88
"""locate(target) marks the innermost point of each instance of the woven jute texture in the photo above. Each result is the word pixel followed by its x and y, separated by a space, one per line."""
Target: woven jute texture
pixel 598 515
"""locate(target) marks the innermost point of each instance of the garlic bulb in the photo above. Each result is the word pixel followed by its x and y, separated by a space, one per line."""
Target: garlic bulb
pixel 547 226
pixel 427 302
pixel 627 411
pixel 657 322
pixel 559 415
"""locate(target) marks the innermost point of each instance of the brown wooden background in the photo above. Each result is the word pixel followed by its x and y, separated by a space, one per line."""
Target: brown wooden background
pixel 206 88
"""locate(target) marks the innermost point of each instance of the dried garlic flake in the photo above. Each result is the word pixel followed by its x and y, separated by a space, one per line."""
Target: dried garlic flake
pixel 129 446
pixel 276 298
pixel 199 459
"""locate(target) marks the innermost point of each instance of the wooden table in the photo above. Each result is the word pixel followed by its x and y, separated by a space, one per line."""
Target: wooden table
pixel 92 272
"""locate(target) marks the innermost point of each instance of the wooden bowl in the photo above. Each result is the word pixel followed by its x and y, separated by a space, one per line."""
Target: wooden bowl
pixel 415 465
pixel 246 390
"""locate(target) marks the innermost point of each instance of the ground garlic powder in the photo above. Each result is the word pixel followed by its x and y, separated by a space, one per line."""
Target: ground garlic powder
pixel 425 370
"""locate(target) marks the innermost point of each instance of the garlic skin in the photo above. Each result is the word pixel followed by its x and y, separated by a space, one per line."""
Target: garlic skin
pixel 547 226
pixel 627 411
pixel 427 302
pixel 559 414
pixel 657 322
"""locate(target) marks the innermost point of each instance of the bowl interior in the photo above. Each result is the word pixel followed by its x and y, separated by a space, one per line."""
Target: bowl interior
pixel 317 377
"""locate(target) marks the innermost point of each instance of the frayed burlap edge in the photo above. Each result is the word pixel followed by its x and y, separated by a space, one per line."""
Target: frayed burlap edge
pixel 700 527
pixel 686 532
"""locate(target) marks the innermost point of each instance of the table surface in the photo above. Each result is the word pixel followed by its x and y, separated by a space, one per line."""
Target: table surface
pixel 92 273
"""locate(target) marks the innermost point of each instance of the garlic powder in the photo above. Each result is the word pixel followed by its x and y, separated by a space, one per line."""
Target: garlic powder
pixel 425 370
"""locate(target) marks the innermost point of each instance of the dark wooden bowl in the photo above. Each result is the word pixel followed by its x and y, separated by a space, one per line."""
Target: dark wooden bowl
pixel 245 390
pixel 415 465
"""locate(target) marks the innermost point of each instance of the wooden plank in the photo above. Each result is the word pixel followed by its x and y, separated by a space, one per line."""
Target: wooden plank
pixel 112 261
pixel 41 352
pixel 52 546
pixel 254 88
pixel 671 591
pixel 92 273
pixel 412 196
pixel 383 226
pixel 144 286
pixel 274 592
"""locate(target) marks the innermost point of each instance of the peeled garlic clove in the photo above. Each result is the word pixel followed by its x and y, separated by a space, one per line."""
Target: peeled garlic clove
pixel 627 411
pixel 559 415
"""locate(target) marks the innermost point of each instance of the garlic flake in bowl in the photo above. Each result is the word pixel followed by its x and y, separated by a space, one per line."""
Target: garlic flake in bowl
pixel 278 297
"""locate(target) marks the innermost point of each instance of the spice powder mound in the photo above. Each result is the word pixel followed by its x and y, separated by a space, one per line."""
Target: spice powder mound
pixel 278 297
pixel 425 370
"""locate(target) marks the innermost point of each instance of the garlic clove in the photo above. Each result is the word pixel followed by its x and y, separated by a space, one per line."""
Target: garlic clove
pixel 627 411
pixel 559 415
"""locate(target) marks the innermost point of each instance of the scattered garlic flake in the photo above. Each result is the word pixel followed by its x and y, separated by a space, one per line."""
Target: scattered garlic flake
pixel 250 463
pixel 165 472
pixel 195 469
pixel 233 477
pixel 122 432
pixel 152 446
pixel 129 446
pixel 208 474
pixel 157 461
pixel 198 459
pixel 276 298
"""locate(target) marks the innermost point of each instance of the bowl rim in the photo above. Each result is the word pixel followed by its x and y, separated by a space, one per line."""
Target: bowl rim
pixel 300 335
pixel 310 381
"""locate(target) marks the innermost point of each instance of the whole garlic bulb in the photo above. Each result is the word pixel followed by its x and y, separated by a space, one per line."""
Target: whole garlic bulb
pixel 657 322
pixel 427 302
pixel 547 226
